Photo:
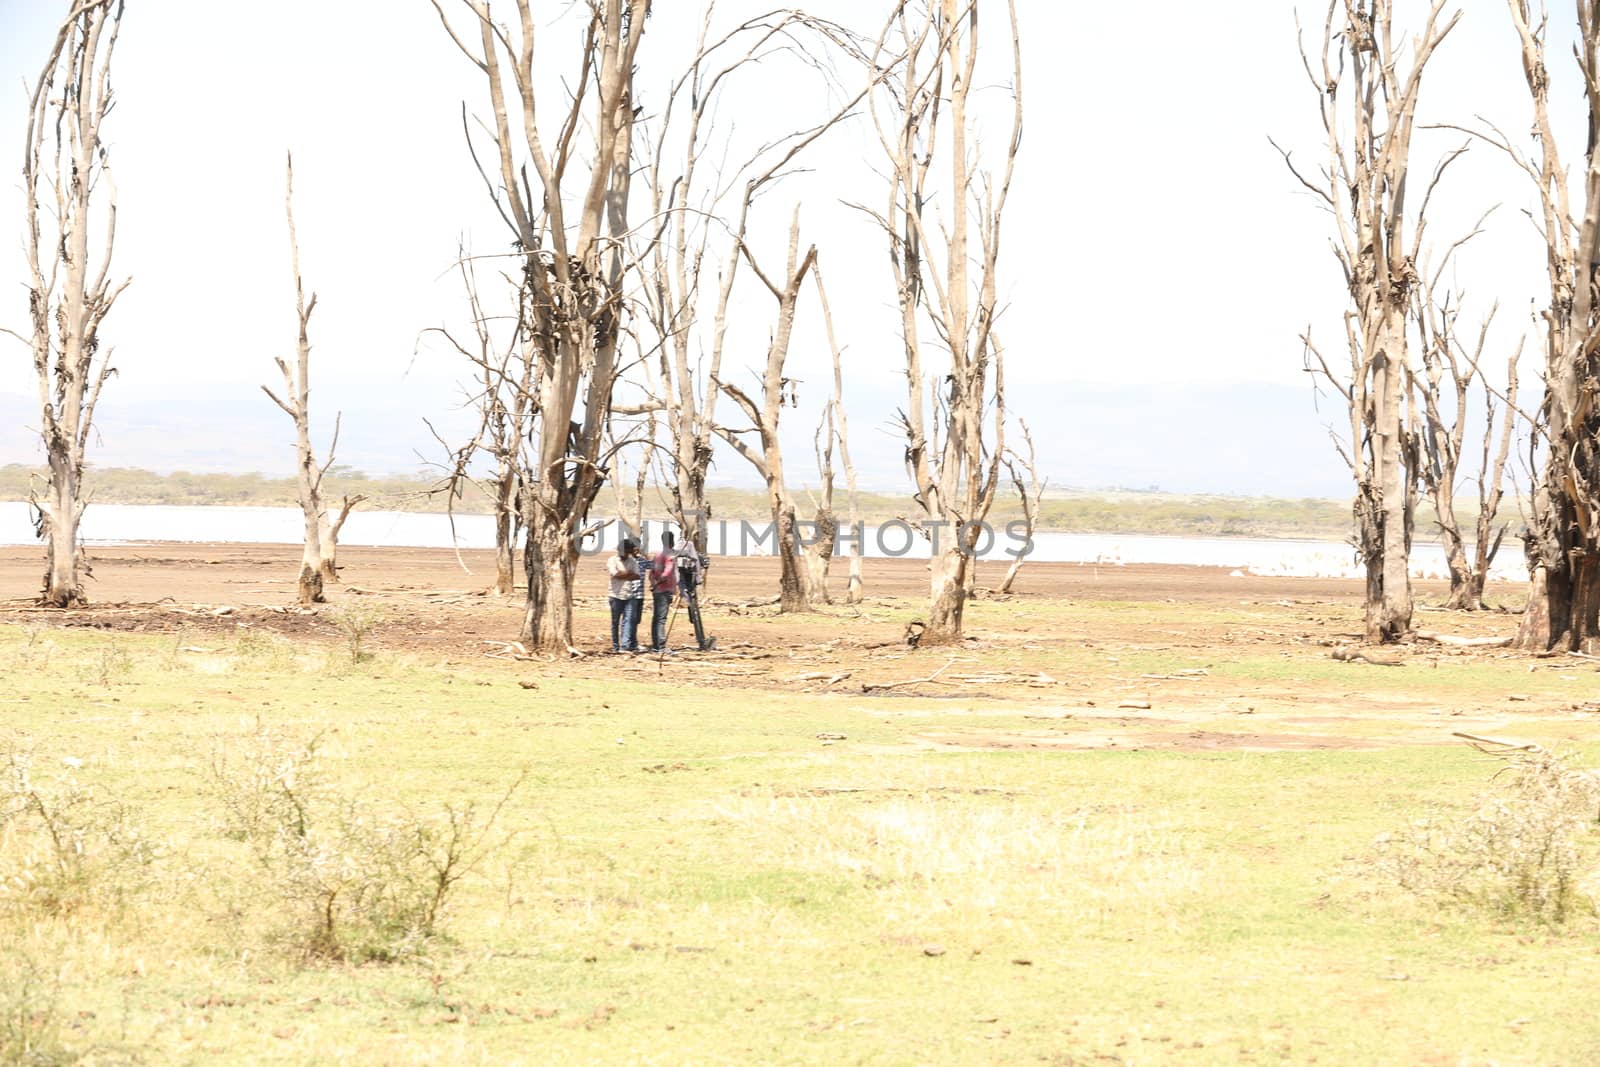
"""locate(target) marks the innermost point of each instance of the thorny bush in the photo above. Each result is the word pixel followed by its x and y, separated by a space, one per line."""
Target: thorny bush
pixel 358 881
pixel 1520 854
pixel 65 845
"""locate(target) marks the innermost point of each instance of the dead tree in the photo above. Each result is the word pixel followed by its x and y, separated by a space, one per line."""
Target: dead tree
pixel 66 167
pixel 502 394
pixel 838 428
pixel 704 215
pixel 1445 388
pixel 687 211
pixel 767 456
pixel 1024 472
pixel 318 559
pixel 946 286
pixel 819 546
pixel 1363 186
pixel 1563 544
pixel 568 218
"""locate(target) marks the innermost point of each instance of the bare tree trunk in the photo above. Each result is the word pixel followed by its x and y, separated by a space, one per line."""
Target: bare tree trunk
pixel 68 301
pixel 820 547
pixel 1389 615
pixel 691 232
pixel 331 528
pixel 295 402
pixel 839 426
pixel 1363 185
pixel 1443 436
pixel 1563 546
pixel 504 394
pixel 572 302
pixel 824 526
pixel 1030 491
pixel 956 478
pixel 505 504
pixel 1487 543
pixel 764 417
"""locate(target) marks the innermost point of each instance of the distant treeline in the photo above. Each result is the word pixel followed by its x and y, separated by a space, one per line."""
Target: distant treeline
pixel 1087 512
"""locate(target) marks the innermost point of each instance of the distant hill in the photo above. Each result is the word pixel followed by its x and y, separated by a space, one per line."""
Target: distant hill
pixel 1238 440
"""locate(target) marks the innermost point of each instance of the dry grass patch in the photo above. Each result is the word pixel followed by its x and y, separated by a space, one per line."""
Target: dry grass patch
pixel 932 856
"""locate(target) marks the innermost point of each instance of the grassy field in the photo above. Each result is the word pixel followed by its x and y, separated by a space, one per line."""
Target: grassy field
pixel 733 875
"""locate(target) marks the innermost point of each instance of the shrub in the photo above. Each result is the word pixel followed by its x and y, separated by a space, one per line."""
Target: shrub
pixel 357 881
pixel 1520 852
pixel 64 845
pixel 109 664
pixel 274 652
pixel 356 622
pixel 30 1012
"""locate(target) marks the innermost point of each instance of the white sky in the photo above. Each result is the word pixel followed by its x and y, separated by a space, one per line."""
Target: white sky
pixel 1153 234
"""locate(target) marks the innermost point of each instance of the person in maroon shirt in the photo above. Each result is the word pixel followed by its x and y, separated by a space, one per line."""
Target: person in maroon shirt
pixel 664 586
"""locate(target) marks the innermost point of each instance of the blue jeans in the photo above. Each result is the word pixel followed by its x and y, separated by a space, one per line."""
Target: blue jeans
pixel 660 612
pixel 625 624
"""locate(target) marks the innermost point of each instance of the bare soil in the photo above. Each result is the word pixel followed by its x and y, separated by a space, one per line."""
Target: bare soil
pixel 1027 654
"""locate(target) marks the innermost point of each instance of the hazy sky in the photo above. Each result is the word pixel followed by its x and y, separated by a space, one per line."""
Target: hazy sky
pixel 1153 234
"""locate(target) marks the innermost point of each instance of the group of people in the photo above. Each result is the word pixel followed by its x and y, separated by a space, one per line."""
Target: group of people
pixel 629 572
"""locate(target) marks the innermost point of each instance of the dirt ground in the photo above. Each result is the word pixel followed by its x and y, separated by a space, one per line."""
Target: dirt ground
pixel 1086 651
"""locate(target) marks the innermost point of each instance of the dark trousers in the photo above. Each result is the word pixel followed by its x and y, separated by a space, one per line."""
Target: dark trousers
pixel 625 624
pixel 630 624
pixel 660 612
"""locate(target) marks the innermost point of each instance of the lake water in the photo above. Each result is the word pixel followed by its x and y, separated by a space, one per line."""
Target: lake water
pixel 123 523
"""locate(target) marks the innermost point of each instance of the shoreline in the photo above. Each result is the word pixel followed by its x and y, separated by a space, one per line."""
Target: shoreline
pixel 230 573
pixel 1291 536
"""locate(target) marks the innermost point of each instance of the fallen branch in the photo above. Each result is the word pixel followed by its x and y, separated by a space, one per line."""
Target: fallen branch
pixel 878 687
pixel 1461 642
pixel 1497 746
pixel 824 677
pixel 509 650
pixel 1351 655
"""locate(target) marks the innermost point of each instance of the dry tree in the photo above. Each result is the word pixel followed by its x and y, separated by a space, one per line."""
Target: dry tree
pixel 704 212
pixel 1563 544
pixel 1362 185
pixel 1445 390
pixel 1024 472
pixel 70 194
pixel 563 191
pixel 946 273
pixel 318 558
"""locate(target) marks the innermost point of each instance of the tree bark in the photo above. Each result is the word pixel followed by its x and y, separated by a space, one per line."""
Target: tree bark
pixel 63 580
pixel 764 417
pixel 1563 544
pixel 939 276
pixel 691 234
pixel 1363 186
pixel 69 300
pixel 316 558
pixel 1030 491
pixel 572 271
pixel 505 503
pixel 1389 613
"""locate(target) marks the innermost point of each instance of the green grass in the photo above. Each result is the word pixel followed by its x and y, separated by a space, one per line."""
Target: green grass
pixel 690 875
